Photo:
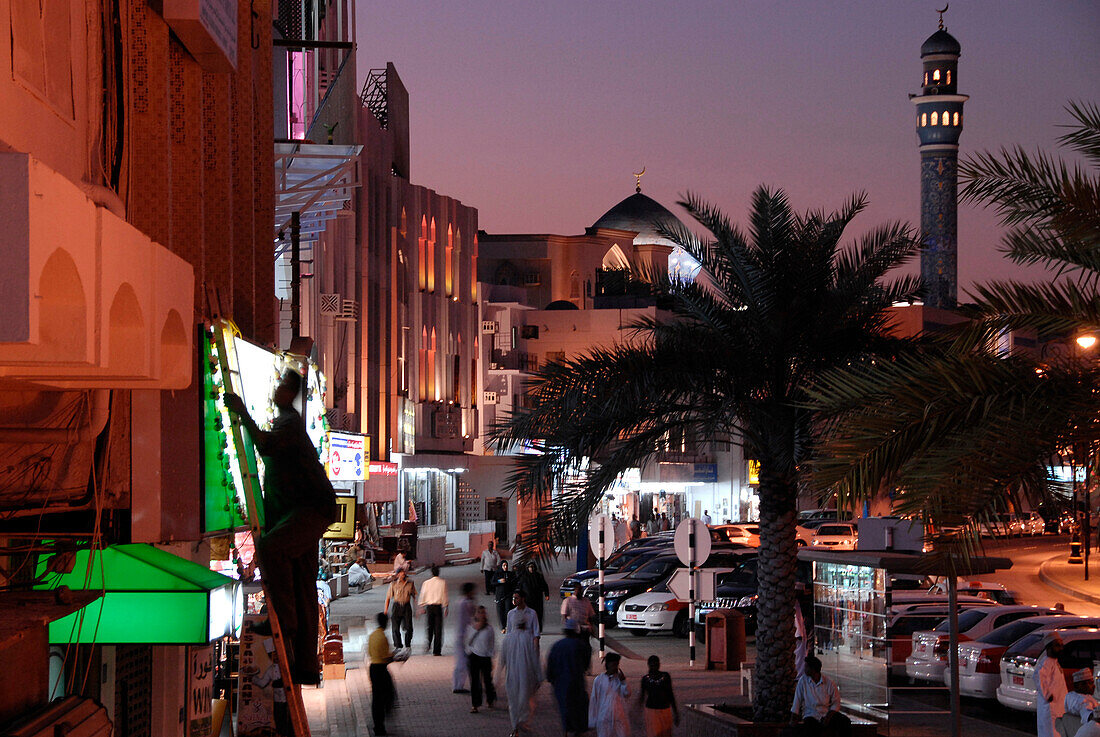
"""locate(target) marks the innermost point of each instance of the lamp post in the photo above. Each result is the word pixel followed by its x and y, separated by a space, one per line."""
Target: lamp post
pixel 1085 342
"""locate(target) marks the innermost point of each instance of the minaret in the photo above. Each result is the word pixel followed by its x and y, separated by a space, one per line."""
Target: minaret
pixel 939 124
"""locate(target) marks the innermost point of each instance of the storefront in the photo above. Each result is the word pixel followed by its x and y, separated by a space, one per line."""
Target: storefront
pixel 428 496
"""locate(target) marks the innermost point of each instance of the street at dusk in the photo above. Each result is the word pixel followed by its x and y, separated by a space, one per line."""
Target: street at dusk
pixel 715 369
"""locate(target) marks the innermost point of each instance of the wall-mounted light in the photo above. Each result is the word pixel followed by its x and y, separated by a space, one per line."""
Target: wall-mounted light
pixel 1086 341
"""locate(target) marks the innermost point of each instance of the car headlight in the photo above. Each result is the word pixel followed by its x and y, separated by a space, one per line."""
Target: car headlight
pixel 816 542
pixel 747 601
pixel 657 608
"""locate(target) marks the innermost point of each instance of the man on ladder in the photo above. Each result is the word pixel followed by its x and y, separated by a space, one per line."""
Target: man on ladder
pixel 299 504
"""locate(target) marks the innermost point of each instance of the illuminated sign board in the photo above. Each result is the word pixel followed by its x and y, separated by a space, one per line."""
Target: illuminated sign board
pixel 382 468
pixel 348 456
pixel 344 526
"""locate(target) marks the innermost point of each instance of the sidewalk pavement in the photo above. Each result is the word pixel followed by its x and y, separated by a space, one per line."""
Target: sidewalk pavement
pixel 1070 579
pixel 425 704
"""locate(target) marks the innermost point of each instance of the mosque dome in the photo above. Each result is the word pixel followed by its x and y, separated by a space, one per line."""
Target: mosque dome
pixel 940 42
pixel 640 214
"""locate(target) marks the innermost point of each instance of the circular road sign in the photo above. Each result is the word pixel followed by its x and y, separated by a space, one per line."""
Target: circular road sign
pixel 601 521
pixel 682 541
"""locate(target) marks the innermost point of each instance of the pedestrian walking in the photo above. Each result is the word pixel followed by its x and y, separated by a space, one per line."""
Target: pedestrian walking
pixel 490 559
pixel 658 701
pixel 535 589
pixel 653 526
pixel 381 683
pixel 520 659
pixel 503 586
pixel 565 668
pixel 635 528
pixel 579 609
pixel 402 592
pixel 1050 685
pixel 464 617
pixel 433 601
pixel 664 524
pixel 480 646
pixel 607 705
pixel 299 504
pixel 706 517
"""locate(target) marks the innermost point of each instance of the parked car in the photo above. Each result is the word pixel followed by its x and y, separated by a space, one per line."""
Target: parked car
pixel 929 652
pixel 907 618
pixel 745 534
pixel 625 562
pixel 738 590
pixel 1000 525
pixel 621 586
pixel 656 610
pixel 817 515
pixel 980 659
pixel 804 535
pixel 997 592
pixel 1017 689
pixel 836 535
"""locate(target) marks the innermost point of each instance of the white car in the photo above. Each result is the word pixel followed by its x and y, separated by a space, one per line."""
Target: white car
pixel 654 611
pixel 902 623
pixel 743 534
pixel 1017 689
pixel 1033 523
pixel 836 535
pixel 980 660
pixel 992 590
pixel 929 657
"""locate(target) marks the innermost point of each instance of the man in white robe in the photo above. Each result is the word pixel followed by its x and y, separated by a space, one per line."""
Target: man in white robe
pixel 519 656
pixel 1050 687
pixel 607 704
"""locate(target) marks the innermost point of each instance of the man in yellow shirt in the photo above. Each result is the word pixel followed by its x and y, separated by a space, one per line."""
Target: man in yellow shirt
pixel 381 684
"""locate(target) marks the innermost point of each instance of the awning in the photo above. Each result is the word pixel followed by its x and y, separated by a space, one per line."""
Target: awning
pixel 149 597
pixel 315 180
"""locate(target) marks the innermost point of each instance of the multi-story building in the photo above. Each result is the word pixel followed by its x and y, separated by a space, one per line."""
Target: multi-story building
pixel 136 182
pixel 547 297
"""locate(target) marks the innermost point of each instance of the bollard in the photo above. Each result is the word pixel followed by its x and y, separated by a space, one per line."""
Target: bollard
pixel 1075 552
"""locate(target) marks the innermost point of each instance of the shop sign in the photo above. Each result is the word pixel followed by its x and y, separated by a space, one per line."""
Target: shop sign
pixel 705 473
pixel 348 456
pixel 383 468
pixel 344 526
pixel 262 706
pixel 200 690
pixel 753 472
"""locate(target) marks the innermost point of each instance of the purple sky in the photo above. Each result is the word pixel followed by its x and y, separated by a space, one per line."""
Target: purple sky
pixel 537 113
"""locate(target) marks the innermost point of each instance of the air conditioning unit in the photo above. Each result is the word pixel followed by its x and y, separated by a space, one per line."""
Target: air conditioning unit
pixel 490 397
pixel 349 310
pixel 489 326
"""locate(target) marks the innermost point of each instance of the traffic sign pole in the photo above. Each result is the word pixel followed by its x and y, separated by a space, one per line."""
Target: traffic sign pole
pixel 691 598
pixel 599 614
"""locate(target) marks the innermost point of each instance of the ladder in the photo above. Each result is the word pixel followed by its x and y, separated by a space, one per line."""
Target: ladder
pixel 250 479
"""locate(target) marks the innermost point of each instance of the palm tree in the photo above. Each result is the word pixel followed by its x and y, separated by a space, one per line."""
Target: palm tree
pixel 772 309
pixel 953 429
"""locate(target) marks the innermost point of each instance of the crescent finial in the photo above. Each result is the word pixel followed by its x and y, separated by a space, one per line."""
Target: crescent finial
pixel 638 179
pixel 941 12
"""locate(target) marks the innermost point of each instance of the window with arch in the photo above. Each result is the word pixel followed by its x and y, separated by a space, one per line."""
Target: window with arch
pixel 433 384
pixel 422 364
pixel 936 75
pixel 948 76
pixel 448 263
pixel 422 254
pixel 946 119
pixel 404 222
pixel 955 119
pixel 473 271
pixel 935 118
pixel 923 119
pixel 926 79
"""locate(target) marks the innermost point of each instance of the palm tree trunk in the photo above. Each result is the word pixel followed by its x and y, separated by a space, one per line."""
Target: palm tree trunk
pixel 773 688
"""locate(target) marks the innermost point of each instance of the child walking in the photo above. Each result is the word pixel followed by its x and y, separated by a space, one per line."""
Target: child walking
pixel 607 707
pixel 659 702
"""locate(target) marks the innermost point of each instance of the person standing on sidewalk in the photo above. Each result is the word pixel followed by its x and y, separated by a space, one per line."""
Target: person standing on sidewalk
pixel 480 646
pixel 402 592
pixel 535 590
pixel 490 559
pixel 1050 686
pixel 607 707
pixel 433 599
pixel 565 667
pixel 381 684
pixel 465 615
pixel 658 701
pixel 579 609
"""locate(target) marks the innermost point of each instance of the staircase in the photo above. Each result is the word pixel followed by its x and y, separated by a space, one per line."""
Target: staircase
pixel 457 556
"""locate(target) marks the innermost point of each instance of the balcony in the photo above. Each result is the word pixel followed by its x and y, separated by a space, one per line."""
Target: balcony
pixel 90 301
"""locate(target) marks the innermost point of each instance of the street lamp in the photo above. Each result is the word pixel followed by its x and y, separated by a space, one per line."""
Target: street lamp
pixel 1086 341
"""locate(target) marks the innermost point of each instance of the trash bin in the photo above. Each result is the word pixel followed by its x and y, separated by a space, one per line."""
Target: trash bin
pixel 725 630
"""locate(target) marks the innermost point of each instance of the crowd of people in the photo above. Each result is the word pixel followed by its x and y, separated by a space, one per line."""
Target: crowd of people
pixel 519 666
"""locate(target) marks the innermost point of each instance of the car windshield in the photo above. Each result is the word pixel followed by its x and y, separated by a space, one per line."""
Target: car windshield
pixel 636 562
pixel 834 530
pixel 967 620
pixel 655 568
pixel 1009 633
